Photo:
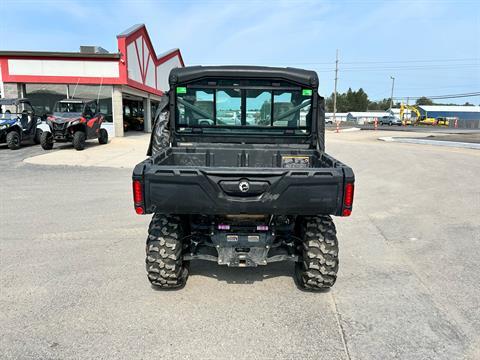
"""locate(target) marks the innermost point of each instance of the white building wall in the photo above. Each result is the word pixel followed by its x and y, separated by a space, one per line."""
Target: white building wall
pixel 133 65
pixel 163 70
pixel 141 64
pixel 83 68
pixel 150 77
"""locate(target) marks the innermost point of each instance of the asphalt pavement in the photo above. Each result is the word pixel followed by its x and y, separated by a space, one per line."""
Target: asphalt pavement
pixel 73 282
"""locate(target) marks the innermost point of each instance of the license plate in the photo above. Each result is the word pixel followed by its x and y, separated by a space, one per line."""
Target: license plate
pixel 295 161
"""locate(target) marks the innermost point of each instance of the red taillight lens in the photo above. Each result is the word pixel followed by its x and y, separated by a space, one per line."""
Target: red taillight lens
pixel 348 198
pixel 346 212
pixel 138 196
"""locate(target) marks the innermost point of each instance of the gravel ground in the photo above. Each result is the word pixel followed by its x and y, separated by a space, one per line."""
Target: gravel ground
pixel 73 283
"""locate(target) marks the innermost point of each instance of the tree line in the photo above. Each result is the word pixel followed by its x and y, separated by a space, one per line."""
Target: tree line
pixel 358 101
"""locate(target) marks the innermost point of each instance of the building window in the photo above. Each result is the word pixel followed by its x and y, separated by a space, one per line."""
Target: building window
pixel 44 96
pixel 93 92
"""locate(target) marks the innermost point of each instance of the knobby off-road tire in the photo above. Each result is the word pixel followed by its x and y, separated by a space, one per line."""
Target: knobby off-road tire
pixel 103 136
pixel 79 140
pixel 318 267
pixel 13 140
pixel 38 136
pixel 164 261
pixel 46 140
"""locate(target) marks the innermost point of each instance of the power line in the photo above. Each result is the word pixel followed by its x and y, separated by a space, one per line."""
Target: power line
pixel 366 62
pixel 403 68
pixel 409 61
pixel 412 67
pixel 435 97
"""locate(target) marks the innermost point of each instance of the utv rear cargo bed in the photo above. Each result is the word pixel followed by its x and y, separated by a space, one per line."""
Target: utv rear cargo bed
pixel 192 180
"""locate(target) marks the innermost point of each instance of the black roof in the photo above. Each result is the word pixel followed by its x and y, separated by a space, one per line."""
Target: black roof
pixel 15 101
pixel 186 74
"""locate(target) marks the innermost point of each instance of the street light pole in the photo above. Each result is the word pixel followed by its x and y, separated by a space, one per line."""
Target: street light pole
pixel 391 96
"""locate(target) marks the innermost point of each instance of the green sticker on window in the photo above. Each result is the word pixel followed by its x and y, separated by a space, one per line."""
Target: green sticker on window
pixel 181 90
pixel 307 92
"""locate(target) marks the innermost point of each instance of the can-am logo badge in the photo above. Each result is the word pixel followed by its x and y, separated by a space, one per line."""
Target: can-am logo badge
pixel 244 186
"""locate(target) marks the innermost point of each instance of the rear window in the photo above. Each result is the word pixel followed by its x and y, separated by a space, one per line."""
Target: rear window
pixel 233 107
pixel 73 107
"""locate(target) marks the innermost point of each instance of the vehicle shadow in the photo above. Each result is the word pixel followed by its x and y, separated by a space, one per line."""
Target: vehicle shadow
pixel 246 276
pixel 25 144
pixel 250 275
pixel 68 145
pixel 234 275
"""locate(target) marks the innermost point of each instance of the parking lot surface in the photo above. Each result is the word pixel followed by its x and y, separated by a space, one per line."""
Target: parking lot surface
pixel 73 283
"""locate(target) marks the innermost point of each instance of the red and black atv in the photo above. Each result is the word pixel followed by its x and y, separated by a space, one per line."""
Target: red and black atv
pixel 75 120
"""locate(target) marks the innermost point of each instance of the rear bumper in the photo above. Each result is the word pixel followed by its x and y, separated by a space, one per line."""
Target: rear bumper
pixel 182 190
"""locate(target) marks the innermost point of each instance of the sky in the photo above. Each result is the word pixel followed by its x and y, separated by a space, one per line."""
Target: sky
pixel 429 47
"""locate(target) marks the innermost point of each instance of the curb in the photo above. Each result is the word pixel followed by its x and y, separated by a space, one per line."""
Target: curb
pixel 350 129
pixel 455 144
pixel 343 130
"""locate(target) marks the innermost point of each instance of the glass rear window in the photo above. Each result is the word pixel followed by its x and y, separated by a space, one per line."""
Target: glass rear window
pixel 68 107
pixel 237 107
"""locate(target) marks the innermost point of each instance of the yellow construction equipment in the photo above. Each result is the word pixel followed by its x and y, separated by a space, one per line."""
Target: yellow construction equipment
pixel 418 119
pixel 445 121
pixel 409 120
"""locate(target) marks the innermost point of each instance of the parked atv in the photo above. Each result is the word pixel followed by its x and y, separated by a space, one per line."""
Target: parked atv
pixel 75 120
pixel 18 123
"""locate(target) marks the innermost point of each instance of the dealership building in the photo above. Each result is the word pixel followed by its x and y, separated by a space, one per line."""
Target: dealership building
pixel 127 83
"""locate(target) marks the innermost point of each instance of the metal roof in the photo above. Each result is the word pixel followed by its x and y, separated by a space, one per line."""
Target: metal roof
pixel 130 30
pixel 60 54
pixel 168 52
pixel 450 108
pixel 369 113
pixel 330 114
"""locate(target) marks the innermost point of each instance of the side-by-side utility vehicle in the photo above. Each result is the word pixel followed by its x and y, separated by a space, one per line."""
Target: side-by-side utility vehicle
pixel 75 120
pixel 18 123
pixel 238 175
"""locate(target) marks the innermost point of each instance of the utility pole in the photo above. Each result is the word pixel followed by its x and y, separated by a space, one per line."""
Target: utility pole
pixel 335 91
pixel 391 96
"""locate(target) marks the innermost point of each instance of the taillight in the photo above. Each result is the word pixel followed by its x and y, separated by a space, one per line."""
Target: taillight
pixel 138 197
pixel 348 199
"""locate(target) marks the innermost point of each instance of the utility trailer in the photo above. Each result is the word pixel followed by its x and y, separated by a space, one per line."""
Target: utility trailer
pixel 238 174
